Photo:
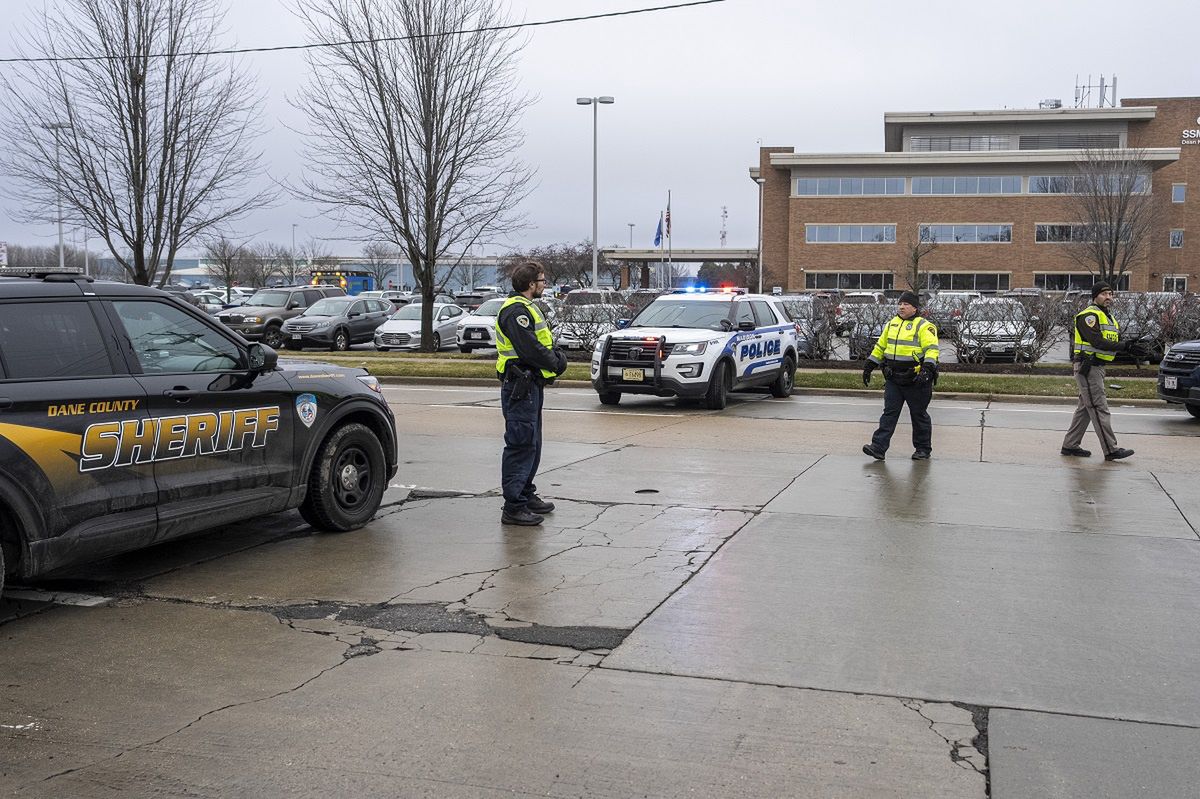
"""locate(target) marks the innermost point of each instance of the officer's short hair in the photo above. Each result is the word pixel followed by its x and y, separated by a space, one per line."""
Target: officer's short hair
pixel 525 274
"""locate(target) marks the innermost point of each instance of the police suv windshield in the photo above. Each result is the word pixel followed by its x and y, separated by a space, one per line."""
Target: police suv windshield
pixel 269 299
pixel 330 306
pixel 684 313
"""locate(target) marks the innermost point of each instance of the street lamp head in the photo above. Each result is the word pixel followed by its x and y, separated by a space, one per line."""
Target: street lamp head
pixel 583 100
pixel 606 100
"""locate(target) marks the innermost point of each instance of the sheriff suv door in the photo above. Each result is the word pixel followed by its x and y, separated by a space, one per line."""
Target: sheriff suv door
pixel 68 410
pixel 225 437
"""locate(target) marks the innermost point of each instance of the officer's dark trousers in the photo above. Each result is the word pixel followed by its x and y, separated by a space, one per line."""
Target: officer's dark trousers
pixel 522 444
pixel 894 398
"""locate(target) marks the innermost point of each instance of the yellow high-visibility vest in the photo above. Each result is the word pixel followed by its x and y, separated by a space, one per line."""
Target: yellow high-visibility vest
pixel 1109 330
pixel 904 343
pixel 504 347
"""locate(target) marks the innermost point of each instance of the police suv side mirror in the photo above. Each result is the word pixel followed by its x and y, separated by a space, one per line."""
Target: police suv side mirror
pixel 623 323
pixel 746 325
pixel 262 358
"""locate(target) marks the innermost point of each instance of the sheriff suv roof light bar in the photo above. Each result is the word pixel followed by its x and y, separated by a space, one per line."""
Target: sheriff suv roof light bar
pixel 52 275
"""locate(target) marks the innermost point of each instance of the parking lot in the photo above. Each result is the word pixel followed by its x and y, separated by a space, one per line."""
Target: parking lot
pixel 732 603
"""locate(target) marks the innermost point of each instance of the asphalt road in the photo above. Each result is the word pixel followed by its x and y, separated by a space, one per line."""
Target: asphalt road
pixel 732 603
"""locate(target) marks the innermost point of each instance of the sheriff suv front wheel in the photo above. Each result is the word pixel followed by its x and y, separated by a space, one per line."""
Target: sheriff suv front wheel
pixel 347 480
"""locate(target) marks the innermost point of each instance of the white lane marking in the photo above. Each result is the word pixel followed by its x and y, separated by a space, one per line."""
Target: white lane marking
pixel 34 725
pixel 443 390
pixel 58 597
pixel 635 414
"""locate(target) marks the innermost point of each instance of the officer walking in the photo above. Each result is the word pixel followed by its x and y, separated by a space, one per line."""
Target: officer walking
pixel 526 362
pixel 907 350
pixel 1097 342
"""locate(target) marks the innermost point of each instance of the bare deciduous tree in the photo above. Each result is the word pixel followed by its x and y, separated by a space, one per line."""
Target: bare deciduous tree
pixel 1115 215
pixel 146 140
pixel 567 264
pixel 915 250
pixel 45 258
pixel 381 260
pixel 414 117
pixel 264 262
pixel 226 262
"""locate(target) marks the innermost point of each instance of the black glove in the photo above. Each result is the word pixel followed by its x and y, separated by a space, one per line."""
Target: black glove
pixel 1125 346
pixel 1086 365
pixel 867 369
pixel 928 373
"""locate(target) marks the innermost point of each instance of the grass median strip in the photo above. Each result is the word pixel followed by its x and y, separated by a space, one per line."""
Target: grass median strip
pixel 460 366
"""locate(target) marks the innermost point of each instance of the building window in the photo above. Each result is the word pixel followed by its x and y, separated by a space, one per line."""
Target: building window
pixel 1178 192
pixel 1175 283
pixel 967 281
pixel 849 281
pixel 1176 239
pixel 967 184
pixel 848 187
pixel 1081 184
pixel 1055 281
pixel 1060 234
pixel 850 234
pixel 943 144
pixel 967 234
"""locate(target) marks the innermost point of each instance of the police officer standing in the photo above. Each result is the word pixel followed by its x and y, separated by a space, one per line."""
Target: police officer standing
pixel 526 362
pixel 1096 343
pixel 907 350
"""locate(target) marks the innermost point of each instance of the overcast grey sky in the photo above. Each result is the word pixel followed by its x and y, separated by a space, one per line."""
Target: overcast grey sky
pixel 697 89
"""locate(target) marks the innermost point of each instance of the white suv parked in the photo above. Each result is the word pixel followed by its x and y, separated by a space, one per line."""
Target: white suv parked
pixel 699 345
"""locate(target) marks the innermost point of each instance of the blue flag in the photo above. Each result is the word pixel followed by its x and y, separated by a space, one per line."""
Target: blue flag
pixel 658 233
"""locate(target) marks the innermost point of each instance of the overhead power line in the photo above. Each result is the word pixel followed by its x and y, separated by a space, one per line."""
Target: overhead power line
pixel 380 40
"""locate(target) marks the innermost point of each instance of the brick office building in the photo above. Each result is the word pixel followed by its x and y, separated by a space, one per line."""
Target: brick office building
pixel 989 185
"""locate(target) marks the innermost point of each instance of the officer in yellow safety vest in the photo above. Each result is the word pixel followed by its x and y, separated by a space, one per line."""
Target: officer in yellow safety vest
pixel 526 362
pixel 1096 342
pixel 907 350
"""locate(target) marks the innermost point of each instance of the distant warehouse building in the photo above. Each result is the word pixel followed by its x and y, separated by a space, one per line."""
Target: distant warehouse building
pixel 991 187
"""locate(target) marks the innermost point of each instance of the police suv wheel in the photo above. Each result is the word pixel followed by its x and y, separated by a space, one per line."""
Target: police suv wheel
pixel 610 397
pixel 717 396
pixel 341 341
pixel 273 337
pixel 347 480
pixel 782 385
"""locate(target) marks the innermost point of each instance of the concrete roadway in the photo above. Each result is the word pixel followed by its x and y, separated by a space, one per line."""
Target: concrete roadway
pixel 731 603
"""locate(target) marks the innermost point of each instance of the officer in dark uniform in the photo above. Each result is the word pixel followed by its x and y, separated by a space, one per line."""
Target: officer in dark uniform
pixel 907 350
pixel 1096 342
pixel 526 362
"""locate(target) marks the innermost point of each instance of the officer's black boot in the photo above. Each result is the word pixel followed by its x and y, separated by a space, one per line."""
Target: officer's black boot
pixel 521 516
pixel 538 505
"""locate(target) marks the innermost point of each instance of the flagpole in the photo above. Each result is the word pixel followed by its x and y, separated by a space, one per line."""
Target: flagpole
pixel 670 268
pixel 661 243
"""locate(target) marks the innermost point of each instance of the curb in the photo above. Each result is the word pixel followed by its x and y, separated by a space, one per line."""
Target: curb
pixel 1029 399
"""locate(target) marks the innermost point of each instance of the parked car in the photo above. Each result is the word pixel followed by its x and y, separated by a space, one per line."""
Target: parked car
pixel 1179 376
pixel 996 328
pixel 861 339
pixel 444 299
pixel 474 298
pixel 336 323
pixel 851 307
pixel 403 330
pixel 637 299
pixel 210 301
pixel 593 297
pixel 261 318
pixel 812 312
pixel 946 309
pixel 579 326
pixel 477 330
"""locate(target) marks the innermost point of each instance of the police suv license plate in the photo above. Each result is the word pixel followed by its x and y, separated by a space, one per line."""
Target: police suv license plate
pixel 1171 382
pixel 633 375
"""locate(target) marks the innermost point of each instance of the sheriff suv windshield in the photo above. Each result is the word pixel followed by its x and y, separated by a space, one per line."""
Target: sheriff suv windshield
pixel 684 313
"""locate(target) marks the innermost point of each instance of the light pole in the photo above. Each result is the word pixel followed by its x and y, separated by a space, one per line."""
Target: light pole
pixel 595 102
pixel 760 182
pixel 630 234
pixel 55 127
pixel 293 252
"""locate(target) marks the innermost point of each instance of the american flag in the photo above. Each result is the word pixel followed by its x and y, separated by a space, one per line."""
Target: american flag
pixel 668 216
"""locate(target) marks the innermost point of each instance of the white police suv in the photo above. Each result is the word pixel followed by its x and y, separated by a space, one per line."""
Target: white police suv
pixel 698 344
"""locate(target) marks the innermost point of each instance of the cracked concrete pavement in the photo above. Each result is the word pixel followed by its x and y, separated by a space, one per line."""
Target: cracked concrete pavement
pixel 723 604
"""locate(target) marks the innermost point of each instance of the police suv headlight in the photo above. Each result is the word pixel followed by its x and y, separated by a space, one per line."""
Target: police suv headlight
pixel 696 348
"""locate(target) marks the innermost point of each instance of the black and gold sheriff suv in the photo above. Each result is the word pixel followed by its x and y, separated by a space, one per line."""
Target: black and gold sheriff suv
pixel 128 418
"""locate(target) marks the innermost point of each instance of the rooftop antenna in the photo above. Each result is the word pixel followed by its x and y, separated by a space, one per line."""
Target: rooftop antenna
pixel 724 218
pixel 1106 92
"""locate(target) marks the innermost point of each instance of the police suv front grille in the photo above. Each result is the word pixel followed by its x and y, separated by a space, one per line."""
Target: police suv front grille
pixel 1181 361
pixel 636 351
pixel 395 339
